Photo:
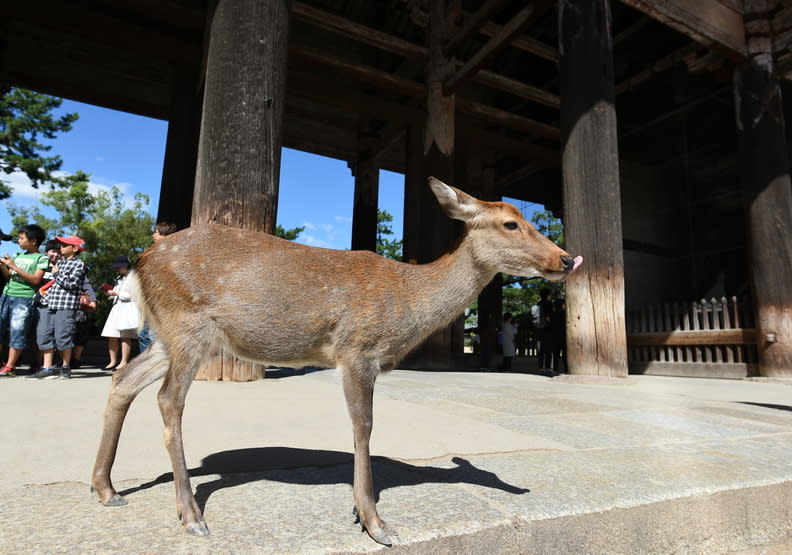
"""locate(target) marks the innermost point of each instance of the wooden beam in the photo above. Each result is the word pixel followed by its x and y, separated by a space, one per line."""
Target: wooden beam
pixel 525 16
pixel 304 86
pixel 677 56
pixel 708 22
pixel 508 119
pixel 395 45
pixel 472 25
pixel 745 336
pixel 360 72
pixel 414 89
pixel 525 43
pixel 518 88
pixel 367 35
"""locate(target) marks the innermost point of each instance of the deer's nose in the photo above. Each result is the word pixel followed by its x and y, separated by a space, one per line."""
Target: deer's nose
pixel 568 263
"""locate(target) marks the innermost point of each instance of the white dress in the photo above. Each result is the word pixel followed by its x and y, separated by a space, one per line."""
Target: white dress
pixel 110 329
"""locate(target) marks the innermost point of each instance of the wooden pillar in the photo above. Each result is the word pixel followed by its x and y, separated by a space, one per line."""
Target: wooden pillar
pixel 428 232
pixel 596 336
pixel 364 212
pixel 413 183
pixel 181 149
pixel 236 181
pixel 767 192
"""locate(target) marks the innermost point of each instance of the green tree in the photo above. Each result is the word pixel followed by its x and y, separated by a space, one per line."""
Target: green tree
pixel 288 234
pixel 109 225
pixel 389 248
pixel 25 118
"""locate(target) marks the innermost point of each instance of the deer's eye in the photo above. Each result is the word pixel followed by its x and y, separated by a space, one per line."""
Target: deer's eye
pixel 511 226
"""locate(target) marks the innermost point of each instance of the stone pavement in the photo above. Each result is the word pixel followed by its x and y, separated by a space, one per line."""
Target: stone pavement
pixel 464 462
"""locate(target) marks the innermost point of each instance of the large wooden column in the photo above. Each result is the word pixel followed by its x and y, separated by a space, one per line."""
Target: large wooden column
pixel 767 192
pixel 236 181
pixel 596 336
pixel 364 212
pixel 181 149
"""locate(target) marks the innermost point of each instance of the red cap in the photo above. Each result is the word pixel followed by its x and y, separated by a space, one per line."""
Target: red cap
pixel 72 240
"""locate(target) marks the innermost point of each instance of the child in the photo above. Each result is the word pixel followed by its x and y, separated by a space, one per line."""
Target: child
pixel 57 319
pixel 23 275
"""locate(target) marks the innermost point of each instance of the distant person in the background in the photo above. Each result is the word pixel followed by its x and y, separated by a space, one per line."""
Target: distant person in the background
pixel 23 274
pixel 120 327
pixel 556 336
pixel 509 330
pixel 146 335
pixel 545 312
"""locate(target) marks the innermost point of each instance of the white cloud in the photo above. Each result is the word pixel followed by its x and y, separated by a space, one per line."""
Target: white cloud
pixel 24 195
pixel 328 236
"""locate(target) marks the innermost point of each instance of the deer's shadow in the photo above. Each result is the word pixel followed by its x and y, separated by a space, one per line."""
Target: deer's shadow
pixel 320 467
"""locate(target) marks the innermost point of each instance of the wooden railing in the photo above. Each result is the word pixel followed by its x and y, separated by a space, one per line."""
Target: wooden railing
pixel 714 338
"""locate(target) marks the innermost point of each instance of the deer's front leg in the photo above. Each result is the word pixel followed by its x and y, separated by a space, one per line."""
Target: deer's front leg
pixel 171 402
pixel 359 392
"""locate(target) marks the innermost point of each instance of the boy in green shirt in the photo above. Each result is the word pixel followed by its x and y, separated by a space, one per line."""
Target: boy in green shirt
pixel 23 274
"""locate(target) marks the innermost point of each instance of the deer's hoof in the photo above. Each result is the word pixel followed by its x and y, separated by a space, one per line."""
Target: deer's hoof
pixel 197 529
pixel 115 501
pixel 381 535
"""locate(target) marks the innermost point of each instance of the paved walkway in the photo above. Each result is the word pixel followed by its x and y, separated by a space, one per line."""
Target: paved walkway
pixel 464 462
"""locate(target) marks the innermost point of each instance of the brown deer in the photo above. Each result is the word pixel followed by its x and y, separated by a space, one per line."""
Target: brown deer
pixel 287 304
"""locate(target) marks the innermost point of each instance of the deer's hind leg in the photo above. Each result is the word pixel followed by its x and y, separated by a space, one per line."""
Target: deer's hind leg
pixel 142 371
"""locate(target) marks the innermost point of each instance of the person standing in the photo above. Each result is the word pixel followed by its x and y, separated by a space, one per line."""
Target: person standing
pixel 542 329
pixel 57 318
pixel 23 275
pixel 121 324
pixel 509 331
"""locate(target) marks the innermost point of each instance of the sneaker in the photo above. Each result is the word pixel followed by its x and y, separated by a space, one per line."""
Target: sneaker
pixel 7 370
pixel 43 374
pixel 65 373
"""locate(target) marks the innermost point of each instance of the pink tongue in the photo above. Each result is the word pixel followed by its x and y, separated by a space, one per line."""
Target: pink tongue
pixel 578 262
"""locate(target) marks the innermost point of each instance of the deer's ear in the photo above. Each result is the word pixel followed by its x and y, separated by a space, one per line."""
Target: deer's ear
pixel 457 204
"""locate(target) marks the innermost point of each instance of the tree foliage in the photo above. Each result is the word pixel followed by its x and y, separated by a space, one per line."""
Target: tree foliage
pixel 387 247
pixel 26 118
pixel 288 234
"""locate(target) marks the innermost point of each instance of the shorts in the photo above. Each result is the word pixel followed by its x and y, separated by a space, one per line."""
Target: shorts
pixel 16 317
pixel 56 329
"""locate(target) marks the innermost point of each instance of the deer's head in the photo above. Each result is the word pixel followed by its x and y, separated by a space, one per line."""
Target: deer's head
pixel 502 239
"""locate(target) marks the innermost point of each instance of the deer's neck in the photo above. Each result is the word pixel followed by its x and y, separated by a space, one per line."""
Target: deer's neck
pixel 445 287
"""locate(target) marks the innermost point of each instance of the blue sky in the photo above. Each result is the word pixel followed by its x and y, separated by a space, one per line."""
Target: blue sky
pixel 124 150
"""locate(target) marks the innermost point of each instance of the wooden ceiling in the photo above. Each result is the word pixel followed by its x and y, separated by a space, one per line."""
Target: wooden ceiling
pixel 357 70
